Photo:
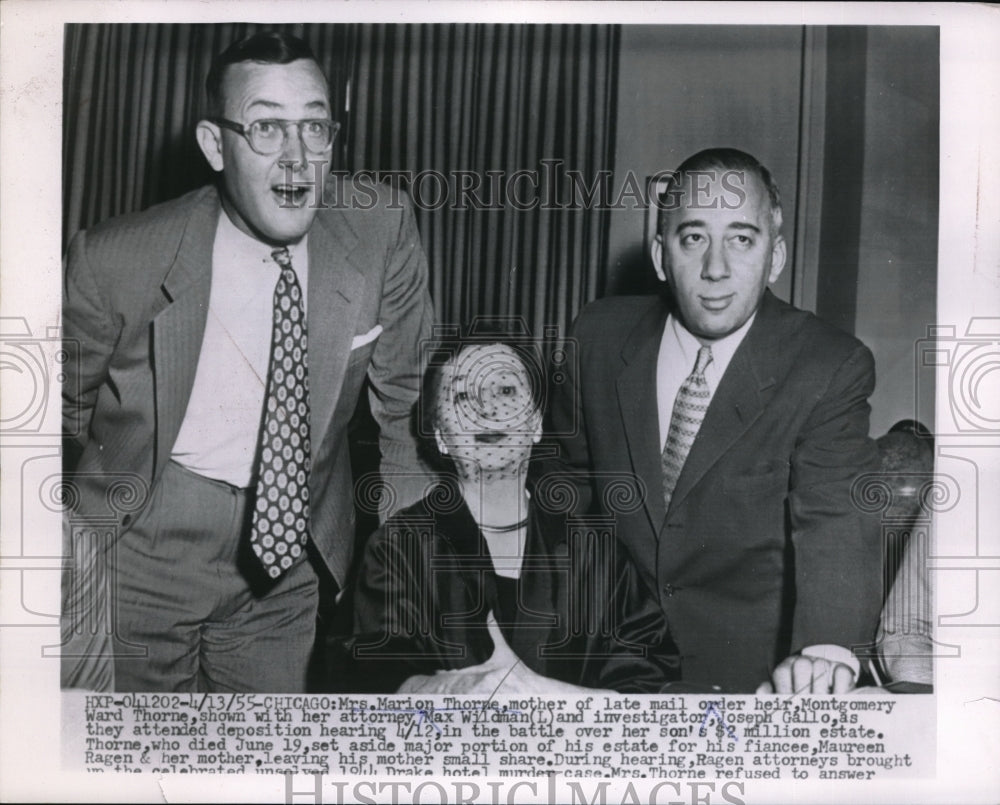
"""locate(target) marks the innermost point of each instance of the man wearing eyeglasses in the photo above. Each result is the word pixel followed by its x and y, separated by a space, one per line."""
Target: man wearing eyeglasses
pixel 225 338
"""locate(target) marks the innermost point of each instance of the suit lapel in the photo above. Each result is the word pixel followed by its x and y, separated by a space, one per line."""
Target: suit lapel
pixel 743 393
pixel 334 285
pixel 179 322
pixel 638 405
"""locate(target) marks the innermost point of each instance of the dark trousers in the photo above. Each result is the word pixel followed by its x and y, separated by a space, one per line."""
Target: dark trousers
pixel 188 588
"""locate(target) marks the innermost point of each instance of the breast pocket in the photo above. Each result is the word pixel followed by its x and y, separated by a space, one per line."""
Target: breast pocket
pixel 362 355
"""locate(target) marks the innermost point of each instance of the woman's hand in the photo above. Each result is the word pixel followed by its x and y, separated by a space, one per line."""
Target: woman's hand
pixel 503 673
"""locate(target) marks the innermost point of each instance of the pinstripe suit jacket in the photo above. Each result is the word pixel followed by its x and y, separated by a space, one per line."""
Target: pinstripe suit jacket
pixel 135 301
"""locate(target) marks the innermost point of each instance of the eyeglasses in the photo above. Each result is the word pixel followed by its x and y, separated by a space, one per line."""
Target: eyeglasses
pixel 268 137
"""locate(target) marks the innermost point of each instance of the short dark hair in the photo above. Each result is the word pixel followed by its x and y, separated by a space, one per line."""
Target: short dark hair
pixel 727 159
pixel 264 47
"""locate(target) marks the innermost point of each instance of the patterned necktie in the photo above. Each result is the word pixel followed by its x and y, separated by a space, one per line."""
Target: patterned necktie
pixel 281 513
pixel 689 411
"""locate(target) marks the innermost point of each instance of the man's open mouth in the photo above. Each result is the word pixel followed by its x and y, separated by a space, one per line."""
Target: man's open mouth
pixel 290 195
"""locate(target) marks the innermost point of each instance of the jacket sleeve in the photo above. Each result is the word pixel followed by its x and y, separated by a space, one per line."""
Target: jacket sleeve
pixel 89 337
pixel 905 635
pixel 406 318
pixel 837 550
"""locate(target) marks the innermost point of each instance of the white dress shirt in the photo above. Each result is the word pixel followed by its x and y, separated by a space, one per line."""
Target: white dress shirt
pixel 221 427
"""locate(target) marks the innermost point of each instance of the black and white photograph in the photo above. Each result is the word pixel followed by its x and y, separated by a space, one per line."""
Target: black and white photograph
pixel 549 402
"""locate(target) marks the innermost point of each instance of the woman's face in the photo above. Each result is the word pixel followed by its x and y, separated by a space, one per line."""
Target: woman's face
pixel 487 419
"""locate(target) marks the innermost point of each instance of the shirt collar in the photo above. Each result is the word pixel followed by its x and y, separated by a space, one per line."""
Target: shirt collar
pixel 243 249
pixel 723 348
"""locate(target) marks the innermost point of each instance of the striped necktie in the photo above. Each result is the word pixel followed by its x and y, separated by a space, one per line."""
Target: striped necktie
pixel 689 411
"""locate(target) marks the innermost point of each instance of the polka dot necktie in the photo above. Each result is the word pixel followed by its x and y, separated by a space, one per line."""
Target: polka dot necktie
pixel 281 512
pixel 689 411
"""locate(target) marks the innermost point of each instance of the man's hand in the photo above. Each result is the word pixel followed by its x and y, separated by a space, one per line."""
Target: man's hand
pixel 804 674
pixel 503 672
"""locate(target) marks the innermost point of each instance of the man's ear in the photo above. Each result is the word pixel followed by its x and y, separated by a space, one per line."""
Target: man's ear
pixel 210 142
pixel 656 253
pixel 779 253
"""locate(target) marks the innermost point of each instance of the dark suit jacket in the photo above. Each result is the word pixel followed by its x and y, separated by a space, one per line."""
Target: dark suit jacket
pixel 762 551
pixel 135 300
pixel 427 583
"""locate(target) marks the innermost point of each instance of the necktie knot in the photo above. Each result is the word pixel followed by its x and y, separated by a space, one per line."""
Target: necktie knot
pixel 282 257
pixel 702 361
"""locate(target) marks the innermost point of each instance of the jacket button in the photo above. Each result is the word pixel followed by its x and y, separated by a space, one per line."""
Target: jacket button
pixel 126 520
pixel 668 590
